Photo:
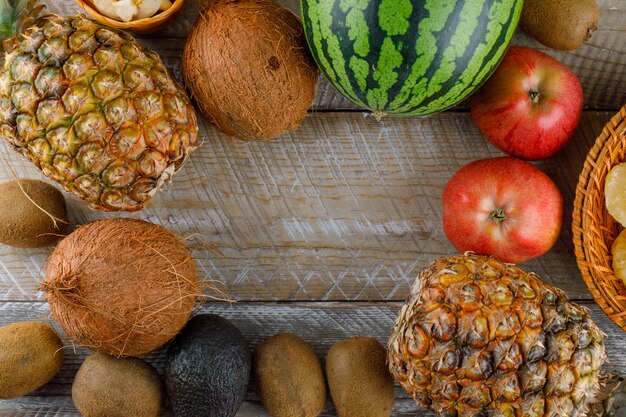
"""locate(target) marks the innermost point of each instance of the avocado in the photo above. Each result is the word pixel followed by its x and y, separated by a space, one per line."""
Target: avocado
pixel 207 368
pixel 560 24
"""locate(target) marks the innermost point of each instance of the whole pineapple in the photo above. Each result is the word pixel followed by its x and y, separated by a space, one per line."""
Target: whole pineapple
pixel 479 338
pixel 92 108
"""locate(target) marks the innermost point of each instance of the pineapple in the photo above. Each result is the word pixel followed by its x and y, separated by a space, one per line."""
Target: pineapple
pixel 92 108
pixel 479 338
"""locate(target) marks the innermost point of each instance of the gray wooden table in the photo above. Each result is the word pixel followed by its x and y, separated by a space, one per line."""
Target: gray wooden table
pixel 322 231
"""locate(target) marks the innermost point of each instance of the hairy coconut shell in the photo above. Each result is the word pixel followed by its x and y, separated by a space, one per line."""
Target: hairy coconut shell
pixel 249 69
pixel 121 286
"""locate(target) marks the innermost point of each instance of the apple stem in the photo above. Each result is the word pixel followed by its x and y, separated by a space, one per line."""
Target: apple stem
pixel 534 96
pixel 498 215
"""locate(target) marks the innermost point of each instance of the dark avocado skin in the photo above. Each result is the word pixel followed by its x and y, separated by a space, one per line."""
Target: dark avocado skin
pixel 207 368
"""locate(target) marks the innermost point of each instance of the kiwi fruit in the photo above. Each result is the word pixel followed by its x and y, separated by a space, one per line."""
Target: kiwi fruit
pixel 560 24
pixel 106 386
pixel 360 383
pixel 31 354
pixel 289 377
pixel 22 223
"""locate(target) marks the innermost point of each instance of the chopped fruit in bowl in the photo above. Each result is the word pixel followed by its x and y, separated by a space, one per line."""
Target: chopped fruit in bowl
pixel 128 10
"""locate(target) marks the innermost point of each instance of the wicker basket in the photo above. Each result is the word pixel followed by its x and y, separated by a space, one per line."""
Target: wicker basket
pixel 142 26
pixel 593 227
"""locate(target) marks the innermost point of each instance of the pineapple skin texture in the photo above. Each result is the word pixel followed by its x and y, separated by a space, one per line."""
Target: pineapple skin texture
pixel 479 338
pixel 95 111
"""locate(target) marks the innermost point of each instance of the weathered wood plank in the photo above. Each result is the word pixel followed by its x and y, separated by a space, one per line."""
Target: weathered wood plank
pixel 320 324
pixel 63 407
pixel 346 208
pixel 600 64
pixel 343 209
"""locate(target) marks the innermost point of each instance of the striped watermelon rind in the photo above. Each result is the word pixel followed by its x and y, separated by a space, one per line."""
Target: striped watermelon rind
pixel 409 57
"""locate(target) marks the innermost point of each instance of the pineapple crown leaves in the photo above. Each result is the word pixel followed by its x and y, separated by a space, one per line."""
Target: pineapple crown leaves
pixel 15 16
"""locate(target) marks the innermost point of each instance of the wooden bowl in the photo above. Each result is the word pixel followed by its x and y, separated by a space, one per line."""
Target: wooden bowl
pixel 593 227
pixel 143 26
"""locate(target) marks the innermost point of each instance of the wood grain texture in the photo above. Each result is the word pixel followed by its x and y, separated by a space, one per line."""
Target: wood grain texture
pixel 320 324
pixel 345 208
pixel 600 64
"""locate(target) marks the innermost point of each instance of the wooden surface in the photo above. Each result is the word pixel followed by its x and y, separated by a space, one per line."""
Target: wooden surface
pixel 322 231
pixel 345 208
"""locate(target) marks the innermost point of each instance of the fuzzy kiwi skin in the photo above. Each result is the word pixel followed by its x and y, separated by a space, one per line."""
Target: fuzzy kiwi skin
pixel 106 386
pixel 560 24
pixel 207 368
pixel 360 383
pixel 290 377
pixel 22 223
pixel 31 354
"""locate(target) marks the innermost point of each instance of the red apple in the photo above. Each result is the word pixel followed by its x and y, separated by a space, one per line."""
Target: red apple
pixel 531 105
pixel 504 207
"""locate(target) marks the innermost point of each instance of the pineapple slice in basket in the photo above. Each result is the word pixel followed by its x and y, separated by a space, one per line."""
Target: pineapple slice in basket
pixel 615 193
pixel 619 256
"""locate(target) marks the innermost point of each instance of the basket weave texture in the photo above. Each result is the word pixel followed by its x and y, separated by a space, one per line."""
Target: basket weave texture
pixel 594 229
pixel 141 26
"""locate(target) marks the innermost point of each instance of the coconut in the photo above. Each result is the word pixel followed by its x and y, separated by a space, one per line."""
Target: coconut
pixel 248 68
pixel 122 287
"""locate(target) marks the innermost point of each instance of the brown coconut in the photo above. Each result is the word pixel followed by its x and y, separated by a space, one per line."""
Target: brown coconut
pixel 122 287
pixel 249 69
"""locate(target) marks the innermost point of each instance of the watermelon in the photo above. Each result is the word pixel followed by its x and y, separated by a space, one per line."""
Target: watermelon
pixel 408 57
